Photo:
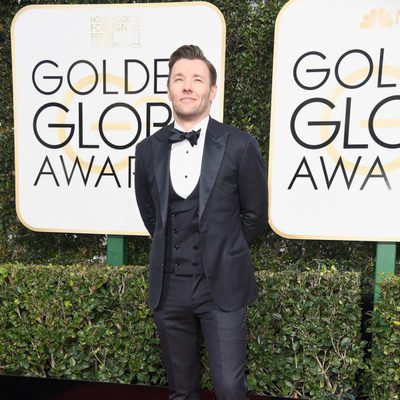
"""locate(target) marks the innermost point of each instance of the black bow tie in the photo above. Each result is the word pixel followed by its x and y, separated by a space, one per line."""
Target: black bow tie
pixel 176 135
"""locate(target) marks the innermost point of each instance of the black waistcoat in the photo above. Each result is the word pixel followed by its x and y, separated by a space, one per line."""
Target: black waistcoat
pixel 183 252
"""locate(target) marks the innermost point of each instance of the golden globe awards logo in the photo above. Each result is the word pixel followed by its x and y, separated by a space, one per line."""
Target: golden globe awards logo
pixel 83 100
pixel 334 165
pixel 84 83
pixel 353 82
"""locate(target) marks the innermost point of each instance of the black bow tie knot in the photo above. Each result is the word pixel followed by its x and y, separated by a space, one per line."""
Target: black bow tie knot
pixel 176 135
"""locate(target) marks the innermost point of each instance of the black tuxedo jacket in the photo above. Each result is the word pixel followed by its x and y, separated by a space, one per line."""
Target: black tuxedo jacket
pixel 232 209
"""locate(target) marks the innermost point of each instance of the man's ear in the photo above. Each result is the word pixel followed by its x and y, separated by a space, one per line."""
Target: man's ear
pixel 213 92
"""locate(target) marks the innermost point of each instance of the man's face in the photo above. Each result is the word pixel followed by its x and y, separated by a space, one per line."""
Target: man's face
pixel 190 90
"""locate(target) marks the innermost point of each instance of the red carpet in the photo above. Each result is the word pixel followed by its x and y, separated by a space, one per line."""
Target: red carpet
pixel 21 388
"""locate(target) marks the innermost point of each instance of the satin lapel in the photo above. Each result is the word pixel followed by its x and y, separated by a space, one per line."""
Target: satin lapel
pixel 161 155
pixel 214 149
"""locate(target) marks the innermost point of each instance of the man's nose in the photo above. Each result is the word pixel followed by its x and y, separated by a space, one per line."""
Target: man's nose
pixel 187 86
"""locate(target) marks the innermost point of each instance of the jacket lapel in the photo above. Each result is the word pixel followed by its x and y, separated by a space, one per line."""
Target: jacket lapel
pixel 214 149
pixel 161 155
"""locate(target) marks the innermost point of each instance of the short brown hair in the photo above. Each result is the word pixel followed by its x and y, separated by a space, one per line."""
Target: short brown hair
pixel 191 52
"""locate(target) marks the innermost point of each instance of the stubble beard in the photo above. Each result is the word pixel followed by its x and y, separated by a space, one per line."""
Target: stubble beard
pixel 190 115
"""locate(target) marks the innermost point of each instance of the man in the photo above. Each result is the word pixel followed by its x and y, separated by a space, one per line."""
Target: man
pixel 202 196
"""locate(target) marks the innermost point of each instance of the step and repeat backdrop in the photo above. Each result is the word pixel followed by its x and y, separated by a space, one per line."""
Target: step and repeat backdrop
pixel 334 168
pixel 89 84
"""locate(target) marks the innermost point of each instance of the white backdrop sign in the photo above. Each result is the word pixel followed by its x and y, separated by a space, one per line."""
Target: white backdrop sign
pixel 89 84
pixel 334 169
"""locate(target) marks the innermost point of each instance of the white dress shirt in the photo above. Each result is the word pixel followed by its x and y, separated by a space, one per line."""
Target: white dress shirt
pixel 185 161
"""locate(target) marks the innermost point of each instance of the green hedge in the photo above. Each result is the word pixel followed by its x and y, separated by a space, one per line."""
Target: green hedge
pixel 92 323
pixel 305 334
pixel 78 323
pixel 383 381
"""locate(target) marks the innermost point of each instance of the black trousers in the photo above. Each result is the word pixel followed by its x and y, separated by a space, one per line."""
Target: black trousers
pixel 187 310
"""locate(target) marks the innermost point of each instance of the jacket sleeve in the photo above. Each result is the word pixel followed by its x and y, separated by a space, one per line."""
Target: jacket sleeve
pixel 143 191
pixel 253 191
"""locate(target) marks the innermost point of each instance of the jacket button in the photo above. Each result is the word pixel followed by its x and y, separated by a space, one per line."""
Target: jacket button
pixel 195 247
pixel 174 230
pixel 176 247
pixel 177 264
pixel 162 265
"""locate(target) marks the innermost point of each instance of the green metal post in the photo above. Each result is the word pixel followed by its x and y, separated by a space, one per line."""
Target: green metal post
pixel 385 264
pixel 116 250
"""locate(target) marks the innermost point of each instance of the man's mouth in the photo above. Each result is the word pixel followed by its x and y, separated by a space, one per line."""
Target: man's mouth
pixel 187 99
